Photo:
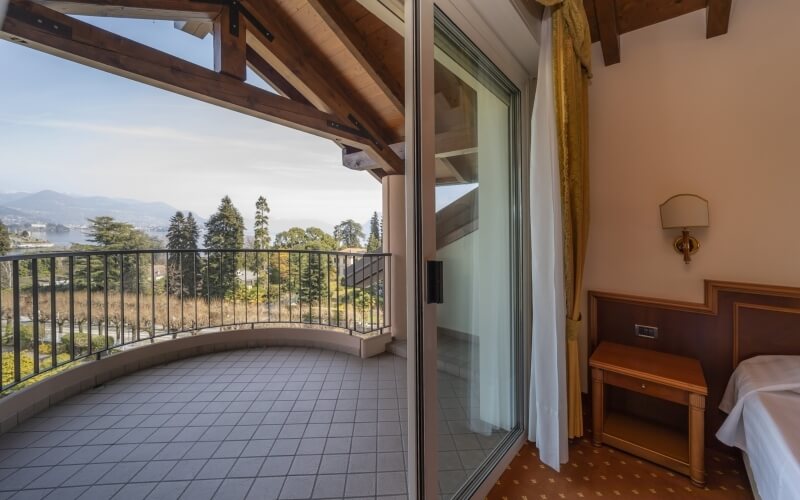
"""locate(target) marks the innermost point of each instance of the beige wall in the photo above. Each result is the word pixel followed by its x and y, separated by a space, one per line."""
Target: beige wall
pixel 719 118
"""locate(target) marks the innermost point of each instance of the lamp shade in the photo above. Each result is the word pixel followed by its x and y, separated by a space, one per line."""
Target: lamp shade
pixel 684 211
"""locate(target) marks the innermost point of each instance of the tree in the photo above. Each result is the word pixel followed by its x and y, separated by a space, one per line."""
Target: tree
pixel 182 266
pixel 5 239
pixel 261 237
pixel 375 241
pixel 108 234
pixel 311 238
pixel 307 274
pixel 349 234
pixel 261 227
pixel 224 231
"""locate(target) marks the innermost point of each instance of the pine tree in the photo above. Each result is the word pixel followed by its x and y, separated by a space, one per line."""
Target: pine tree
pixel 5 239
pixel 182 266
pixel 261 226
pixel 349 234
pixel 224 231
pixel 375 240
pixel 261 237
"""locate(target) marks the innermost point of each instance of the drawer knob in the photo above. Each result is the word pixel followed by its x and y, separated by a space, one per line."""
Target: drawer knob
pixel 644 386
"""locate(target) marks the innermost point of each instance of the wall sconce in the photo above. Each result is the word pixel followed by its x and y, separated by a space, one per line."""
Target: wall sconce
pixel 685 211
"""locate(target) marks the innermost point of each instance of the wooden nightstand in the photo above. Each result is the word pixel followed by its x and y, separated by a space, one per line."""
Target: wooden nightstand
pixel 660 375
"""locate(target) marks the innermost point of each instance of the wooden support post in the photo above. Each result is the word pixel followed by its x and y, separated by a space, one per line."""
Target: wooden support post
pixel 230 44
pixel 697 445
pixel 598 406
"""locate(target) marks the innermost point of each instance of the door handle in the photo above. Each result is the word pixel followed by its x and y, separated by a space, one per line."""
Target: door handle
pixel 435 282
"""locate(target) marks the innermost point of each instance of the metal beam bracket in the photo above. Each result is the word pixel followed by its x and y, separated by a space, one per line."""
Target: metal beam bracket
pixel 236 9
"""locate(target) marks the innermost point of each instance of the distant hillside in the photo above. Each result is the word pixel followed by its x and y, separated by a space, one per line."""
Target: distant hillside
pixel 60 208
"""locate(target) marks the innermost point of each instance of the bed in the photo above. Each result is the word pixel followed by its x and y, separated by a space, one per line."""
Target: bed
pixel 763 405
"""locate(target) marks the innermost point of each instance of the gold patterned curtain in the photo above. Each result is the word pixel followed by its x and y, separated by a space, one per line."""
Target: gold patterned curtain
pixel 572 70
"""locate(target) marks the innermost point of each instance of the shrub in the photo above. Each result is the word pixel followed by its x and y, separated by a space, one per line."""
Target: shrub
pixel 82 342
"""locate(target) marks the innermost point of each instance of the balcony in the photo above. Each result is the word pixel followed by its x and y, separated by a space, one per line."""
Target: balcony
pixel 154 380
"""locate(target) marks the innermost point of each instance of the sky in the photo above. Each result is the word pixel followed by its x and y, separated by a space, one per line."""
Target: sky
pixel 78 130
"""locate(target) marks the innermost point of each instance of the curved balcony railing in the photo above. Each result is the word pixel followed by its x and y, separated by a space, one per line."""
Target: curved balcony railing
pixel 59 308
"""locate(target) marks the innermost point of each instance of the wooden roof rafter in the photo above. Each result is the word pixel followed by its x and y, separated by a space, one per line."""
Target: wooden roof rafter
pixel 311 74
pixel 45 29
pixel 372 62
pixel 608 19
pixel 312 86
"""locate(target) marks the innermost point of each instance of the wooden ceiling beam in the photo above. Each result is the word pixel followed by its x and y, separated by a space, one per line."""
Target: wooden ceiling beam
pixel 606 12
pixel 315 75
pixel 43 29
pixel 169 10
pixel 718 14
pixel 448 144
pixel 230 45
pixel 266 72
pixel 372 62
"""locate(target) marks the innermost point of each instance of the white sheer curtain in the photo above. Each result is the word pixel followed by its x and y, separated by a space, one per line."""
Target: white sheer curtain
pixel 547 424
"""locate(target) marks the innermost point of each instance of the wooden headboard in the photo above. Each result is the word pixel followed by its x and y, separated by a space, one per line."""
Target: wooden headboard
pixel 735 322
pixel 763 329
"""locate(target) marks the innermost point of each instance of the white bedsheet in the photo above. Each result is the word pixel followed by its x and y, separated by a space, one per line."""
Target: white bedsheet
pixel 763 402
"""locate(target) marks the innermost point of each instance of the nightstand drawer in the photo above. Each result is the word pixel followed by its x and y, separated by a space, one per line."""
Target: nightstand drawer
pixel 647 388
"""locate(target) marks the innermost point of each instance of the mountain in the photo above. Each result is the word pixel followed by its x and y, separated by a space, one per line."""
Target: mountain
pixel 60 208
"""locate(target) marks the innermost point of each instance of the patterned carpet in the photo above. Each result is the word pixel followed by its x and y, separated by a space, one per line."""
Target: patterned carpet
pixel 604 472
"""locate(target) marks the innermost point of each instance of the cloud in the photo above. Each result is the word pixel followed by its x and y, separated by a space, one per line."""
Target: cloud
pixel 149 132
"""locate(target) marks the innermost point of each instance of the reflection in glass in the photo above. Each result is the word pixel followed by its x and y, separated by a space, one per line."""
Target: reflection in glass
pixel 474 203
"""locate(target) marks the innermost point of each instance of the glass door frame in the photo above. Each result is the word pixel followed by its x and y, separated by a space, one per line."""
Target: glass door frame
pixel 421 18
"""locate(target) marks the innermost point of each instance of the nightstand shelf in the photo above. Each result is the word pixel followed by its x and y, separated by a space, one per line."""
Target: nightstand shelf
pixel 658 375
pixel 648 440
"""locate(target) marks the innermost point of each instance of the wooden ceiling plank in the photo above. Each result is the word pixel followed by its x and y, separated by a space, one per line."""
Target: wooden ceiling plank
pixel 346 31
pixel 605 10
pixel 303 60
pixel 169 10
pixel 41 28
pixel 718 16
pixel 230 44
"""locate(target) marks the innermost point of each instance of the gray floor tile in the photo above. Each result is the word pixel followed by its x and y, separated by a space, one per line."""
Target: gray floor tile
pixel 246 467
pixel 216 468
pixel 329 486
pixel 168 490
pixel 135 491
pixel 360 485
pixel 121 473
pixel 297 487
pixel 100 491
pixel 391 462
pixel 362 462
pixel 265 488
pixel 391 483
pixel 234 489
pixel 276 466
pixel 201 490
pixel 337 445
pixel 184 470
pixel 154 471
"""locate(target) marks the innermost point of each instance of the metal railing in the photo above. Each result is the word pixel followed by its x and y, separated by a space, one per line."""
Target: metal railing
pixel 58 308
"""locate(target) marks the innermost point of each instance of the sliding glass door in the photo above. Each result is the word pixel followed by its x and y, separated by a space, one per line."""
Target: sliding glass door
pixel 465 255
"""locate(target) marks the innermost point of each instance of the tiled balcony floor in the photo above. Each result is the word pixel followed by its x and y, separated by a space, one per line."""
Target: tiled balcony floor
pixel 257 423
